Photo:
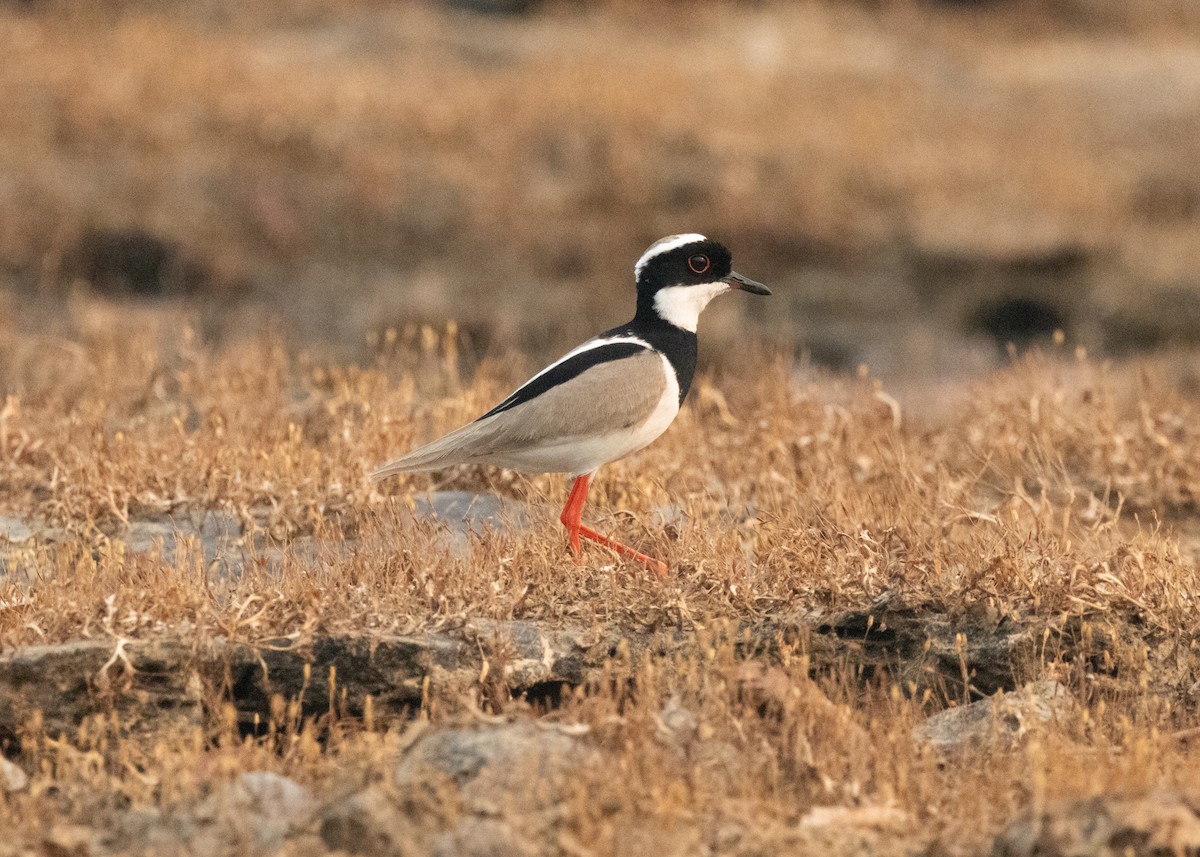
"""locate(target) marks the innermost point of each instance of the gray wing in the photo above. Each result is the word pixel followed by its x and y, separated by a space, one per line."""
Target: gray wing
pixel 605 398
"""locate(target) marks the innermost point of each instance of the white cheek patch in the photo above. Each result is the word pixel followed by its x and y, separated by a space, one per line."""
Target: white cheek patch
pixel 682 305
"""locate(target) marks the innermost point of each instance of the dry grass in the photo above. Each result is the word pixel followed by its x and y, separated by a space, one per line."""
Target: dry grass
pixel 356 163
pixel 1059 494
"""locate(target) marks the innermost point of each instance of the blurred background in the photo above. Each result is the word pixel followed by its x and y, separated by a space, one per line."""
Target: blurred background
pixel 919 181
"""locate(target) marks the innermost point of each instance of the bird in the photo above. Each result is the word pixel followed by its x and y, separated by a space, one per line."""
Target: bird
pixel 606 399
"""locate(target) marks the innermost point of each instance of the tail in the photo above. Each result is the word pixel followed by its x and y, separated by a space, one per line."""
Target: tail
pixel 400 465
pixel 446 451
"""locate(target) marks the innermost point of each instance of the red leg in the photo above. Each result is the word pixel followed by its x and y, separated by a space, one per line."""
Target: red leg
pixel 572 513
pixel 657 566
pixel 572 516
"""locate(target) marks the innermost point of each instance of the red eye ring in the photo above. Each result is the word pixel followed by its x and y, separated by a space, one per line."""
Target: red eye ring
pixel 699 263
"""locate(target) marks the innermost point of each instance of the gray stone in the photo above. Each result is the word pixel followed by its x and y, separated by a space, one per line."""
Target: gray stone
pixel 12 778
pixel 14 531
pixel 514 761
pixel 467 512
pixel 219 536
pixel 272 794
pixel 252 815
pixel 159 685
pixel 1006 717
pixel 482 837
pixel 533 654
pixel 366 823
pixel 288 803
pixel 20 544
pixel 66 682
pixel 151 831
pixel 16 541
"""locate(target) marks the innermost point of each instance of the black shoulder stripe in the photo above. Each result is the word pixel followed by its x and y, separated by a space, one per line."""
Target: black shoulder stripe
pixel 565 371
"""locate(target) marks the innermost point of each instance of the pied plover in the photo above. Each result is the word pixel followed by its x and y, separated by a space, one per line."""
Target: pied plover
pixel 609 397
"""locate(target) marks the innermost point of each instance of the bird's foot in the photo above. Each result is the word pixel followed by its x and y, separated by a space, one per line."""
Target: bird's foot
pixel 656 565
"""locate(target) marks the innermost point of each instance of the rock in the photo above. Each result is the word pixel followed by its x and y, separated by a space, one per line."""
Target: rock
pixel 148 831
pixel 12 778
pixel 1157 825
pixel 515 761
pixel 1006 717
pixel 533 653
pixel 219 535
pixel 252 815
pixel 366 823
pixel 465 513
pixel 284 803
pixel 14 531
pixel 66 682
pixel 482 837
pixel 20 544
pixel 918 646
pixel 769 688
pixel 15 541
pixel 271 794
pixel 151 682
pixel 764 685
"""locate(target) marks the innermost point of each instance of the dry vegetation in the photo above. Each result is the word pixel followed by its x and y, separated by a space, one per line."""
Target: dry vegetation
pixel 851 559
pixel 1058 500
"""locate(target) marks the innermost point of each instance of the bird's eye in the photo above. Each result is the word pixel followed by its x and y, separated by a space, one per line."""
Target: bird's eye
pixel 699 263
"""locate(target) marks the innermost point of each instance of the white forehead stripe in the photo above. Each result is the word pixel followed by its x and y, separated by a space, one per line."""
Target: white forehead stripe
pixel 665 245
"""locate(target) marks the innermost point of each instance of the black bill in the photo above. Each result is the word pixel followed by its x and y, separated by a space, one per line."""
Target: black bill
pixel 737 281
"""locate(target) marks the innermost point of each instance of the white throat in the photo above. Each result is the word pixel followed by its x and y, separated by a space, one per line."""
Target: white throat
pixel 682 305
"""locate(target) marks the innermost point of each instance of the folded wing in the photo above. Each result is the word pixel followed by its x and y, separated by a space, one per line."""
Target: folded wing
pixel 594 392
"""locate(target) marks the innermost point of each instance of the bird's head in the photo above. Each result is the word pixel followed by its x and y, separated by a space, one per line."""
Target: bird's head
pixel 678 275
